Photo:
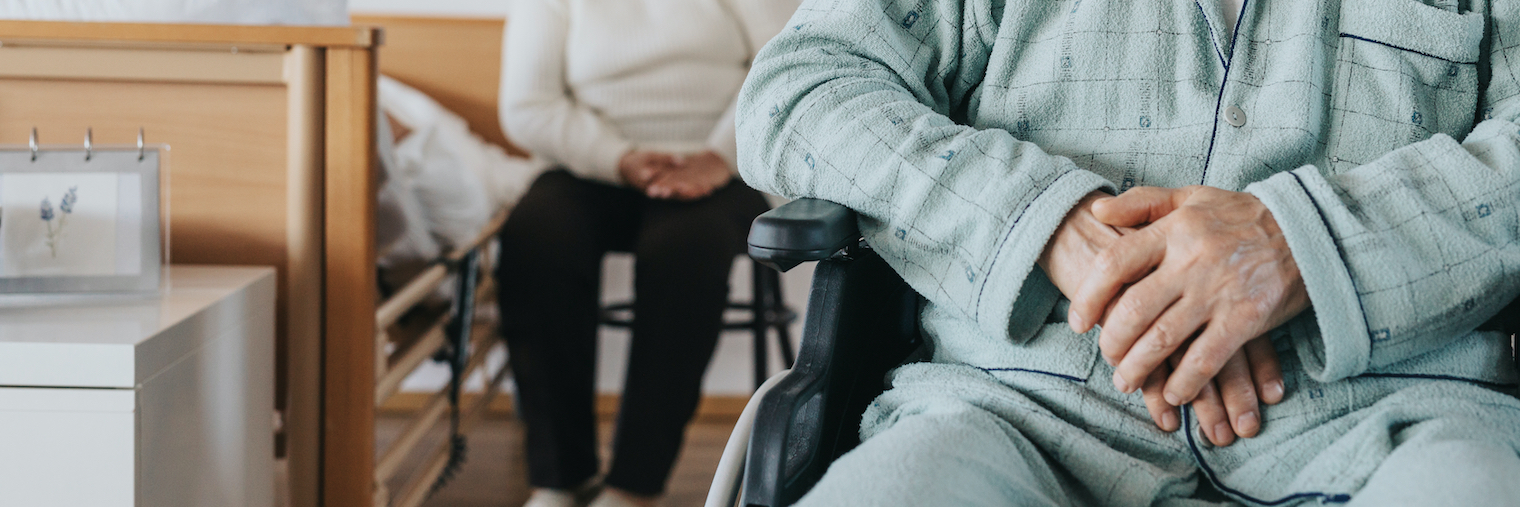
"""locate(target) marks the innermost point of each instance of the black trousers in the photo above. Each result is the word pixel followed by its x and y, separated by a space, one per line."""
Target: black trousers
pixel 549 280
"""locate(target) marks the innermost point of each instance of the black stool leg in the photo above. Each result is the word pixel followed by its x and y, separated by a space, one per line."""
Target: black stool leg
pixel 759 299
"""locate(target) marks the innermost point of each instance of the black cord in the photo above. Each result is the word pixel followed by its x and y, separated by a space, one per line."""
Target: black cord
pixel 456 353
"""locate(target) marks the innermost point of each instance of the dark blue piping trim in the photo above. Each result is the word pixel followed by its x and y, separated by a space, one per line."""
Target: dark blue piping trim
pixel 1494 385
pixel 1401 48
pixel 1212 38
pixel 1026 370
pixel 1214 479
pixel 1219 101
pixel 1338 251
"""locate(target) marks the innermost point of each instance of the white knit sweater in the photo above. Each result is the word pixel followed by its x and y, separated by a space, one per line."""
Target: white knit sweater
pixel 584 81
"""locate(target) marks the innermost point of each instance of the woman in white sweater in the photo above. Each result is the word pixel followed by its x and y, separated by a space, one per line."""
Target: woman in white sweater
pixel 634 99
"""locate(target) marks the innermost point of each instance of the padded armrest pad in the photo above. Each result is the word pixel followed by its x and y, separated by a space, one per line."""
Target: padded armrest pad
pixel 801 231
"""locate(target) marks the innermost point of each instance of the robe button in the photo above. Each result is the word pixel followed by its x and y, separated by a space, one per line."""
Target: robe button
pixel 1235 116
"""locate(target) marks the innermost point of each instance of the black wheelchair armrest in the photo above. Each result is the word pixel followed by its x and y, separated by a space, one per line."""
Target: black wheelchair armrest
pixel 801 231
pixel 862 321
pixel 1507 321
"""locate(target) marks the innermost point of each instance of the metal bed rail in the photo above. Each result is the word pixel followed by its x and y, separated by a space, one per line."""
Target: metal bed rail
pixel 451 337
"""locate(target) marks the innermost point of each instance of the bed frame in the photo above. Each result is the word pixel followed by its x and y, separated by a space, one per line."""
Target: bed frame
pixel 272 132
pixel 457 62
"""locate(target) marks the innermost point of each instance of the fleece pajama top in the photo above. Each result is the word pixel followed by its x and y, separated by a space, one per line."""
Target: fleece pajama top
pixel 1383 135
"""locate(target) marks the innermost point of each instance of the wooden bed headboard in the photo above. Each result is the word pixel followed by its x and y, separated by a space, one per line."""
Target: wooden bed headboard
pixel 456 61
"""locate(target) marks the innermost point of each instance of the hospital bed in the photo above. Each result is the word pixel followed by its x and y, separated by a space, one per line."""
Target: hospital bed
pixel 861 321
pixel 273 161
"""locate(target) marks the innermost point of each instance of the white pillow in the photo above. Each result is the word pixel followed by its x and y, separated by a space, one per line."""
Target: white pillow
pixel 453 197
pixel 441 137
pixel 506 178
pixel 407 105
pixel 402 238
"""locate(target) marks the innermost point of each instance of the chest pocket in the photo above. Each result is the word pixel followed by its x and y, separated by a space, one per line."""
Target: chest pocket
pixel 1404 71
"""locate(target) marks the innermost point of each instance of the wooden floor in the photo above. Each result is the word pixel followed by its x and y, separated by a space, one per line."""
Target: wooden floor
pixel 495 473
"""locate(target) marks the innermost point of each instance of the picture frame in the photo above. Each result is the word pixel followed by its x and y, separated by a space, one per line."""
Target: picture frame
pixel 80 220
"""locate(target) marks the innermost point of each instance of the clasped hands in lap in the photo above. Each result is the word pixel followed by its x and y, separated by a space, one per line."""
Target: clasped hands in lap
pixel 1185 284
pixel 662 175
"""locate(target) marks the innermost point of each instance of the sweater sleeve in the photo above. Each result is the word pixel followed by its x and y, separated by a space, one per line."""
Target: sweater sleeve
pixel 852 103
pixel 1420 245
pixel 536 107
pixel 760 20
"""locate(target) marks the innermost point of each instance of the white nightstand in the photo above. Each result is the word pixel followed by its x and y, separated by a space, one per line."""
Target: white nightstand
pixel 163 401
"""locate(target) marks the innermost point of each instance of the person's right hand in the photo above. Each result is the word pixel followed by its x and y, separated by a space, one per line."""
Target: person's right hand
pixel 1253 376
pixel 638 167
pixel 697 176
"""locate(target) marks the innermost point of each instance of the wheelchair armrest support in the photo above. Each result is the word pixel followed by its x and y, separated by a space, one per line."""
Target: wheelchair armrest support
pixel 862 321
pixel 801 231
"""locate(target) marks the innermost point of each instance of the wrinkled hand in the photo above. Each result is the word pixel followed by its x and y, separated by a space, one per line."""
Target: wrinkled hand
pixel 1210 266
pixel 1069 257
pixel 1075 246
pixel 696 176
pixel 639 168
pixel 1227 406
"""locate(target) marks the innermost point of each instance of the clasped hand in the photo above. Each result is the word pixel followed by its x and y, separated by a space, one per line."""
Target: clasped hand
pixel 666 176
pixel 1184 283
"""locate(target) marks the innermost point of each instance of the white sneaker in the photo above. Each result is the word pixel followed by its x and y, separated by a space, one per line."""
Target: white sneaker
pixel 544 497
pixel 610 499
pixel 578 497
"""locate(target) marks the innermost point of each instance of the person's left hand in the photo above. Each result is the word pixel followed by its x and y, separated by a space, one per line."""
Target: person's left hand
pixel 695 177
pixel 1212 267
pixel 1229 405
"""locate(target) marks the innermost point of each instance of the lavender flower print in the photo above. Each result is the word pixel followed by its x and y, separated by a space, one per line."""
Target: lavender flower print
pixel 55 231
pixel 69 199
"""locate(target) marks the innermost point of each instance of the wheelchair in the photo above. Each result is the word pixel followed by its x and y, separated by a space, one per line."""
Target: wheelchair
pixel 861 321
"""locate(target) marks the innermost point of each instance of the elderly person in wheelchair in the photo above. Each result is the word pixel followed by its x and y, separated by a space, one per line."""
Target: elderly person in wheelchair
pixel 1163 252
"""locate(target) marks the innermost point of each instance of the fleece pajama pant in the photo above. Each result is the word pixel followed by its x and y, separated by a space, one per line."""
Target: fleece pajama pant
pixel 948 434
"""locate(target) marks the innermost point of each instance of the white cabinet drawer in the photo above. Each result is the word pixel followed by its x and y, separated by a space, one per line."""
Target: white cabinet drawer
pixel 152 402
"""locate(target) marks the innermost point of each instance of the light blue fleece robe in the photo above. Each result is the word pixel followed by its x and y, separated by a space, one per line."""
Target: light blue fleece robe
pixel 1383 135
